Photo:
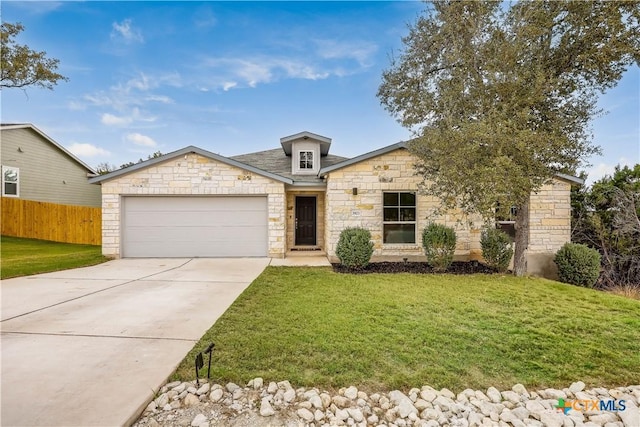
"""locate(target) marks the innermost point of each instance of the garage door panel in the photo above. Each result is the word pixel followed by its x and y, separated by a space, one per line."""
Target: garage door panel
pixel 204 203
pixel 186 249
pixel 161 219
pixel 191 234
pixel 195 226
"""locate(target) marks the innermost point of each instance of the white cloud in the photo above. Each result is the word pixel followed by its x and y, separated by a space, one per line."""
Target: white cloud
pixel 141 83
pixel 361 52
pixel 134 92
pixel 226 86
pixel 329 58
pixel 159 98
pixel 111 120
pixel 301 70
pixel 134 115
pixel 250 71
pixel 76 105
pixel 243 72
pixel 139 139
pixel 602 169
pixel 125 32
pixel 87 150
pixel 38 7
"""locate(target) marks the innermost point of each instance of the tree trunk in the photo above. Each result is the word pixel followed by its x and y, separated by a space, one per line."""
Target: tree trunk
pixel 522 240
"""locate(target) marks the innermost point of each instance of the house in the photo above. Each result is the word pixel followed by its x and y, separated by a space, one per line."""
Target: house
pixel 37 168
pixel 194 203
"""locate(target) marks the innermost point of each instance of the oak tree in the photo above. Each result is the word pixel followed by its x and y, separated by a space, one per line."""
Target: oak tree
pixel 500 96
pixel 20 66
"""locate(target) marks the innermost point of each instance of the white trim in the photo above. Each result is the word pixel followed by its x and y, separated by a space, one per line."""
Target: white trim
pixel 307 160
pixel 17 170
pixel 300 147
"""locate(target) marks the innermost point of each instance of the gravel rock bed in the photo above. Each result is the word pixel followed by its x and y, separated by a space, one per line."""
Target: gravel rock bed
pixel 279 404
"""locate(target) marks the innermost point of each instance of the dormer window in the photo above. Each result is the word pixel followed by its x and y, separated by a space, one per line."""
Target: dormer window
pixel 306 150
pixel 306 160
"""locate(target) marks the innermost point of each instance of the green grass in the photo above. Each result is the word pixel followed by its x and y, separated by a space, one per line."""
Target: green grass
pixel 383 331
pixel 23 257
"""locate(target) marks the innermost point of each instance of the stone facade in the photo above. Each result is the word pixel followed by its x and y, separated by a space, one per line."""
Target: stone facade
pixel 353 197
pixel 191 175
pixel 393 171
pixel 549 226
pixel 550 213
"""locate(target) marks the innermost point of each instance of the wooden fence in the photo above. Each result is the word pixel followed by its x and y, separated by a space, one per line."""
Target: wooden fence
pixel 50 221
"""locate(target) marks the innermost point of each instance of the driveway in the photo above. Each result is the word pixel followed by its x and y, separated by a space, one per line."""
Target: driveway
pixel 89 347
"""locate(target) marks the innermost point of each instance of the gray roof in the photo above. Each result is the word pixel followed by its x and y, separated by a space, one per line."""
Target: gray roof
pixel 323 141
pixel 403 144
pixel 276 162
pixel 570 178
pixel 182 152
pixel 9 126
pixel 348 162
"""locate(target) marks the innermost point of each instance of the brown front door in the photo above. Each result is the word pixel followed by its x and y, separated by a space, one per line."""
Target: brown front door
pixel 305 221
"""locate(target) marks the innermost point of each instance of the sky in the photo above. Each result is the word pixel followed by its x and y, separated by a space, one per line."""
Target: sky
pixel 235 77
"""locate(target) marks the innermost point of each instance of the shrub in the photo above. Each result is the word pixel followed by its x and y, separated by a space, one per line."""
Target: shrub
pixel 578 264
pixel 497 248
pixel 439 242
pixel 354 247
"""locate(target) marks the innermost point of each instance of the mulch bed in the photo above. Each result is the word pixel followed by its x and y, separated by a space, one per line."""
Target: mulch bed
pixel 457 267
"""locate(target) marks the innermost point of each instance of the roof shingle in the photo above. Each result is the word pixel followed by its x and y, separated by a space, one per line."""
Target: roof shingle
pixel 275 161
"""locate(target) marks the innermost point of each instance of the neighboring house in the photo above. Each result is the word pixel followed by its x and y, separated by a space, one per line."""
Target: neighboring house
pixel 35 167
pixel 194 203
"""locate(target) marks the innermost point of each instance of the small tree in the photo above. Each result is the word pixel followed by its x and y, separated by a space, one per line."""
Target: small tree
pixel 497 248
pixel 104 168
pixel 20 66
pixel 606 217
pixel 578 264
pixel 439 243
pixel 354 247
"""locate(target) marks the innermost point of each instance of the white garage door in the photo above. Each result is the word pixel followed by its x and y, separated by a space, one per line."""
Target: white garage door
pixel 175 227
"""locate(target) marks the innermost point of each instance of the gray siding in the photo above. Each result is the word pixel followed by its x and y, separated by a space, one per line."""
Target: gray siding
pixel 46 173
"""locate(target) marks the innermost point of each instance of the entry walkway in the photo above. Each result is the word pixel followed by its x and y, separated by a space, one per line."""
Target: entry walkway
pixel 301 261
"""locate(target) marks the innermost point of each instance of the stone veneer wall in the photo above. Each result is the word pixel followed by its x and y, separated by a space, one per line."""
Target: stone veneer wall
pixel 393 171
pixel 291 216
pixel 193 175
pixel 549 226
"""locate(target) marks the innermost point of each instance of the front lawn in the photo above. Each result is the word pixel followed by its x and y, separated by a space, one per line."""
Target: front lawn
pixel 23 257
pixel 315 327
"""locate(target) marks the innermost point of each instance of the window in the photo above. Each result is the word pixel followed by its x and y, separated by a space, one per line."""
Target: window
pixel 306 160
pixel 399 217
pixel 10 181
pixel 506 222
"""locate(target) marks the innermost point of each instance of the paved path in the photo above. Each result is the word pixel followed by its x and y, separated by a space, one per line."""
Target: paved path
pixel 88 347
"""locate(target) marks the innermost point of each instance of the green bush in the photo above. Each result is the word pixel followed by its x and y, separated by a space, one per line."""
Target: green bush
pixel 578 264
pixel 439 242
pixel 497 248
pixel 354 247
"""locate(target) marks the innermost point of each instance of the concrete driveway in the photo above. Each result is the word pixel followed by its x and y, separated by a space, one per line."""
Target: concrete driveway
pixel 88 347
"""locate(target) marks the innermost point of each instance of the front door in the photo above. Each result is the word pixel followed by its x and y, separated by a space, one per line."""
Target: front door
pixel 305 221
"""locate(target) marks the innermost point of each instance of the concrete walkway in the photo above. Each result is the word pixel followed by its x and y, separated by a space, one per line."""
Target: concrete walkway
pixel 301 261
pixel 88 347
